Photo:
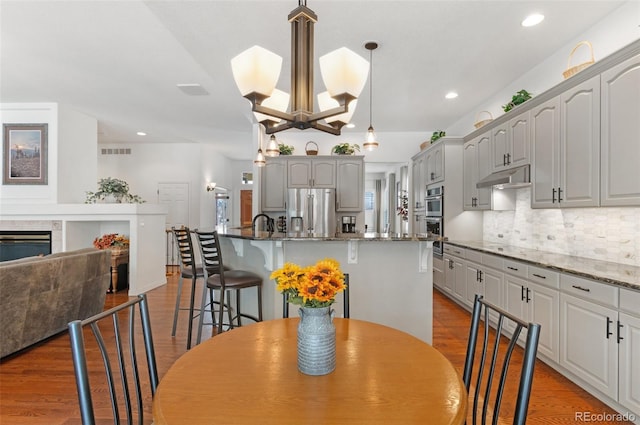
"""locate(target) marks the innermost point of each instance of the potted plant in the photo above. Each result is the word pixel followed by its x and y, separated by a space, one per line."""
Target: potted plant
pixel 116 188
pixel 285 149
pixel 518 98
pixel 437 134
pixel 345 149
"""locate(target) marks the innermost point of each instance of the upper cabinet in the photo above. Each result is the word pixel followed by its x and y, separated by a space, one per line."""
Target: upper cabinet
pixel 435 163
pixel 419 180
pixel 620 143
pixel 273 185
pixel 565 135
pixel 317 172
pixel 350 185
pixel 476 160
pixel 510 143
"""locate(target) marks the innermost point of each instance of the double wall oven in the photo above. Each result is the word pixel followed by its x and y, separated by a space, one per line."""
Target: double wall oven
pixel 434 202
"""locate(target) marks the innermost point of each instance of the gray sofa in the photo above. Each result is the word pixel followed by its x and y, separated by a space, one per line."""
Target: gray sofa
pixel 40 295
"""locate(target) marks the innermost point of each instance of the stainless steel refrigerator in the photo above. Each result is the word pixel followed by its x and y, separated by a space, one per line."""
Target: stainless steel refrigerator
pixel 311 212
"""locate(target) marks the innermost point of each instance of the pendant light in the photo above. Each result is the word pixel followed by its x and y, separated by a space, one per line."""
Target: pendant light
pixel 272 147
pixel 259 161
pixel 371 143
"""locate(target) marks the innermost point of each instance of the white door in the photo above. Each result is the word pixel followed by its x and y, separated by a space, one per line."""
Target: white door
pixel 176 197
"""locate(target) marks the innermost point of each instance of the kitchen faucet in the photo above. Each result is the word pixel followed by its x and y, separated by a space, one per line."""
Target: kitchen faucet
pixel 270 225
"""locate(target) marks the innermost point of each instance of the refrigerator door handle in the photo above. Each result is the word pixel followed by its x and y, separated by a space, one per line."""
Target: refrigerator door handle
pixel 310 207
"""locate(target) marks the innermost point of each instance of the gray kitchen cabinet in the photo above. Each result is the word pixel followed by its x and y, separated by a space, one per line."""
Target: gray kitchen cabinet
pixel 435 163
pixel 588 347
pixel 629 350
pixel 455 273
pixel 482 280
pixel 533 302
pixel 620 150
pixel 273 185
pixel 350 185
pixel 510 143
pixel 476 165
pixel 565 135
pixel 306 172
pixel 419 180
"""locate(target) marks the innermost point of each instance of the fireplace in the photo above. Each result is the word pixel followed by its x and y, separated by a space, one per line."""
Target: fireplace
pixel 16 244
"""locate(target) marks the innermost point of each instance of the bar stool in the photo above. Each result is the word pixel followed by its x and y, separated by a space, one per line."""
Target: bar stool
pixel 218 278
pixel 188 270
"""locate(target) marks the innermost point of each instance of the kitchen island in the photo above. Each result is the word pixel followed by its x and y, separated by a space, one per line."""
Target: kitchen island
pixel 390 276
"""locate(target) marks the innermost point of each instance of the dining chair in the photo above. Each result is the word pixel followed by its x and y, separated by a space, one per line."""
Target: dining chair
pixel 223 280
pixel 345 300
pixel 120 361
pixel 496 355
pixel 188 270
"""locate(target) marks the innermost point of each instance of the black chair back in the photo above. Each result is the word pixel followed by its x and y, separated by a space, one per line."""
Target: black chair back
pixel 211 253
pixel 185 249
pixel 117 348
pixel 496 354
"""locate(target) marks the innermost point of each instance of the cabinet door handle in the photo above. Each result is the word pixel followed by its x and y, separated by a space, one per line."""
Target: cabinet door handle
pixel 539 275
pixel 433 176
pixel 508 158
pixel 480 276
pixel 512 268
pixel 609 322
pixel 553 195
pixel 620 337
pixel 457 252
pixel 528 298
pixel 559 195
pixel 504 159
pixel 581 288
pixel 521 293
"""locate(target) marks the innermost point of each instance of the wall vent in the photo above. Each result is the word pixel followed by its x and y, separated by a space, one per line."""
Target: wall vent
pixel 116 151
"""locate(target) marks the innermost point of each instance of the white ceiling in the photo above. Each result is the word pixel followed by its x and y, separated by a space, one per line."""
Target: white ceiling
pixel 120 61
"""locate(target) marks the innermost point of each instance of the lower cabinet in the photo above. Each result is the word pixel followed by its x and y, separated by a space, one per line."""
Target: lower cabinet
pixel 589 348
pixel 629 357
pixel 589 329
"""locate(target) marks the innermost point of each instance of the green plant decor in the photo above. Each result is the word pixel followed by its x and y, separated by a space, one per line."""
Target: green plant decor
pixel 518 98
pixel 345 149
pixel 119 189
pixel 437 134
pixel 285 149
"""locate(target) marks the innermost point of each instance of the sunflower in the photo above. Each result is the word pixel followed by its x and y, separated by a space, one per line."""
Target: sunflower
pixel 312 286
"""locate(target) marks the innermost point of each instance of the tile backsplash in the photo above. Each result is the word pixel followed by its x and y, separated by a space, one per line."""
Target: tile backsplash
pixel 608 234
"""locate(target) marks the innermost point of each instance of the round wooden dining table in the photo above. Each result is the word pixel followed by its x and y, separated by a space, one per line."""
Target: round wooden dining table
pixel 250 376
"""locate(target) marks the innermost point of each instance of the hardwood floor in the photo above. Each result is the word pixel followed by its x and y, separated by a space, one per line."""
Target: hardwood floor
pixel 37 385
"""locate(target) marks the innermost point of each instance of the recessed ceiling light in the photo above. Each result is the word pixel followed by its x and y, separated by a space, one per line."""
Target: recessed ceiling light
pixel 451 95
pixel 533 19
pixel 141 133
pixel 350 125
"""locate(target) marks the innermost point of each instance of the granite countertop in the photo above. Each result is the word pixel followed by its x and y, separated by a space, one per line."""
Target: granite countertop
pixel 624 275
pixel 278 236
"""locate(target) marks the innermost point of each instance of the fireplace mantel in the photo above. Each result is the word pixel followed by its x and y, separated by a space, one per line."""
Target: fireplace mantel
pixel 80 224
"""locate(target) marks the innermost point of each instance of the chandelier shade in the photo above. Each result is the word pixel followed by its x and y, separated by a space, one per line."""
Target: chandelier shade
pixel 326 102
pixel 256 70
pixel 344 73
pixel 279 101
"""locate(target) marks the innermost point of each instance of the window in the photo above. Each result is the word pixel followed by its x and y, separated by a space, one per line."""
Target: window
pixel 368 200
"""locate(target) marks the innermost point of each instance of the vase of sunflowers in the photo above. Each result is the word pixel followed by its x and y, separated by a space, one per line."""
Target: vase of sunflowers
pixel 314 289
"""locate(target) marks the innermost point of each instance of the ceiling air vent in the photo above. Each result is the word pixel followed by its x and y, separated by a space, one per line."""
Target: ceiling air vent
pixel 116 151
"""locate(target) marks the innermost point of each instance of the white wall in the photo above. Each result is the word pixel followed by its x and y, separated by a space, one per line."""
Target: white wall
pixel 77 155
pixel 617 30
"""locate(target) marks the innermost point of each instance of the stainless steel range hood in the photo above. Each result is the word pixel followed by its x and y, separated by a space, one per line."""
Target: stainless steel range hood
pixel 507 179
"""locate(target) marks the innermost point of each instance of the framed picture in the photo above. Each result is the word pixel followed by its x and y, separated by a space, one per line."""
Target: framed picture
pixel 24 150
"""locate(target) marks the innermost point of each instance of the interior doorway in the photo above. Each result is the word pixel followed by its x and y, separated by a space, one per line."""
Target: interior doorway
pixel 246 207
